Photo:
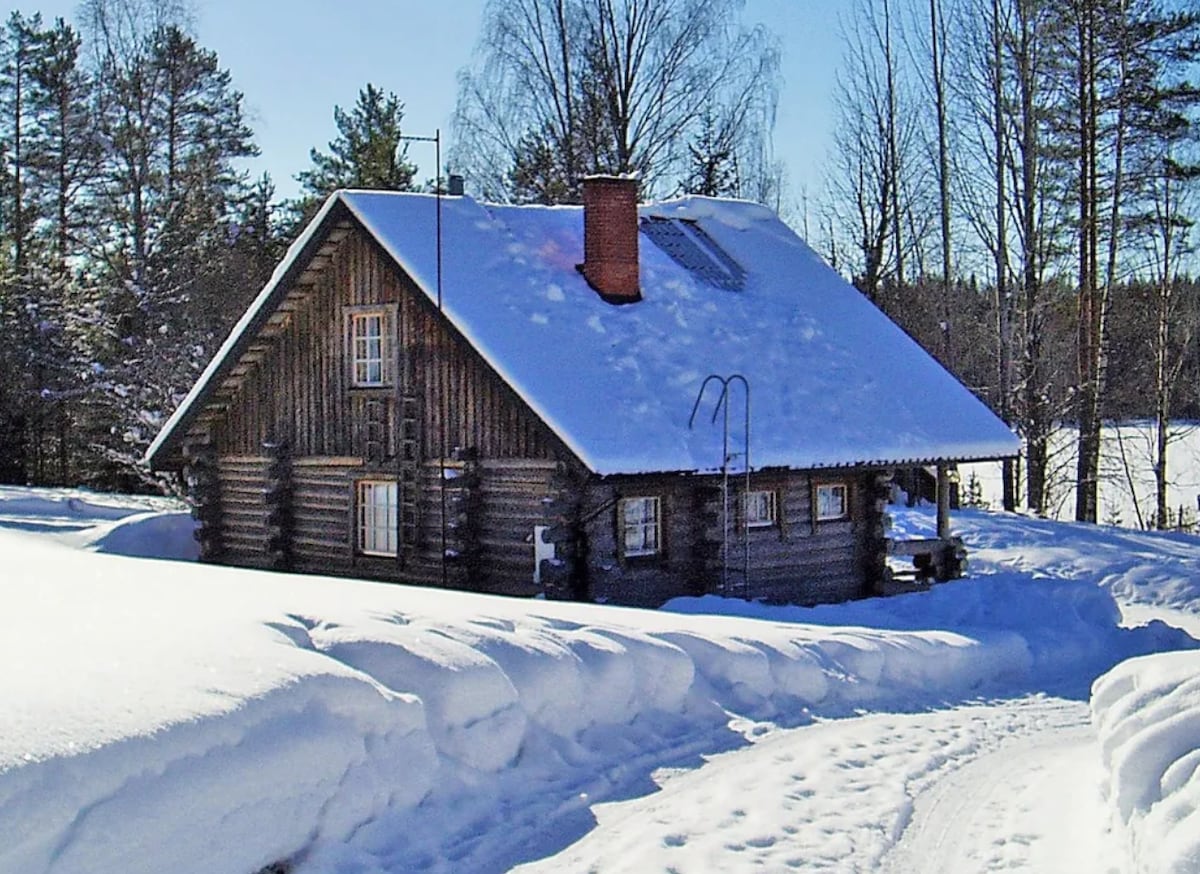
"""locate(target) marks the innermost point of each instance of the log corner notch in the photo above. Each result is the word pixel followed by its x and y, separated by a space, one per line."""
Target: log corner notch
pixel 463 554
pixel 277 496
pixel 204 495
pixel 935 559
pixel 565 577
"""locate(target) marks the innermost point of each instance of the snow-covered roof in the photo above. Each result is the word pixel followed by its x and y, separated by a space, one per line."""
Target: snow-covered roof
pixel 832 380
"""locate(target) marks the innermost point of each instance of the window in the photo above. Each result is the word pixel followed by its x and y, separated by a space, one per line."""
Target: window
pixel 378 517
pixel 641 523
pixel 831 502
pixel 368 347
pixel 760 509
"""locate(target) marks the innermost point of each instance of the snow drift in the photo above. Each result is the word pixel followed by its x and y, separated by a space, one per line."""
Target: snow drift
pixel 1147 715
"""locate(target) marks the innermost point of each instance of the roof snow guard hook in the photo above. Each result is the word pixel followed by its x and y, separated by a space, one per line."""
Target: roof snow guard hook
pixel 722 406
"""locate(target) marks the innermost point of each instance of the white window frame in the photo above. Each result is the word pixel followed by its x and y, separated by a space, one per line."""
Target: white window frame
pixel 820 513
pixel 377 523
pixel 764 500
pixel 646 526
pixel 362 356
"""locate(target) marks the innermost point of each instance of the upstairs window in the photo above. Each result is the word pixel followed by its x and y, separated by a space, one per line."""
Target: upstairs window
pixel 378 517
pixel 641 525
pixel 367 346
pixel 370 349
pixel 760 509
pixel 831 502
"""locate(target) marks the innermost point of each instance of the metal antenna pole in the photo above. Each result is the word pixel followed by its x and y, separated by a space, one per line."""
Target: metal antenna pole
pixel 722 406
pixel 746 487
pixel 443 399
pixel 724 487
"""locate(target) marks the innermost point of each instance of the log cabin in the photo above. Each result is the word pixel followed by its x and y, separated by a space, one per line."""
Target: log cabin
pixel 612 402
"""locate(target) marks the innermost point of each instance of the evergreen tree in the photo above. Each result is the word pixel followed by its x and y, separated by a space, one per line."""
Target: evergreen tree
pixel 712 159
pixel 368 152
pixel 538 174
pixel 34 307
pixel 65 150
pixel 172 130
pixel 21 51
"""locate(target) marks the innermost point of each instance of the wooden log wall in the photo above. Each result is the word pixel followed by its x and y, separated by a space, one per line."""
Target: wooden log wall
pixel 513 495
pixel 322 517
pixel 323 526
pixel 509 503
pixel 643 581
pixel 301 389
pixel 796 561
pixel 802 561
pixel 204 494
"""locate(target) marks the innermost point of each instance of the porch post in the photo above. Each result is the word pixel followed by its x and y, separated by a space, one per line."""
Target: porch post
pixel 943 502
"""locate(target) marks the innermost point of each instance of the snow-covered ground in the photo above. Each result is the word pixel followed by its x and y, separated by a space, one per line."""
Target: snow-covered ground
pixel 164 715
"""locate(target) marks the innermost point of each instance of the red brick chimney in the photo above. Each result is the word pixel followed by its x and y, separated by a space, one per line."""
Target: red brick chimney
pixel 610 237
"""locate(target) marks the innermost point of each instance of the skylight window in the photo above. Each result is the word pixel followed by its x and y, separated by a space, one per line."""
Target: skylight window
pixel 692 249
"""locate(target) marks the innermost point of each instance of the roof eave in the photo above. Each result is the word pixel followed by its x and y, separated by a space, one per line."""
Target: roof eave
pixel 921 461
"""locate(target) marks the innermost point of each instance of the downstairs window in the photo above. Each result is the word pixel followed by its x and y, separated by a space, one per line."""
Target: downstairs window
pixel 378 517
pixel 641 525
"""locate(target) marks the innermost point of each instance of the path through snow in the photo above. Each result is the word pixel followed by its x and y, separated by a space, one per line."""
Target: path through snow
pixel 1034 804
pixel 838 795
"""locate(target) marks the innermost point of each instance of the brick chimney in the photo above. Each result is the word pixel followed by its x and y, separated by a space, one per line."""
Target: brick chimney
pixel 610 237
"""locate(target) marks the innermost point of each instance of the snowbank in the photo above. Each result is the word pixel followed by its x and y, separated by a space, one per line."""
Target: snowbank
pixel 1147 715
pixel 1153 568
pixel 182 717
pixel 1038 604
pixel 134 525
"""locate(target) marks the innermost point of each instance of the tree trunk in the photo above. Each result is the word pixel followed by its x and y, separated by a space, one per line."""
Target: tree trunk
pixel 1090 316
pixel 1036 424
pixel 893 150
pixel 1003 296
pixel 1162 378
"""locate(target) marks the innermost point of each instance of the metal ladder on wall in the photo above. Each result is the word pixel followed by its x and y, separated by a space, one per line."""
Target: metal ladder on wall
pixel 408 469
pixel 376 431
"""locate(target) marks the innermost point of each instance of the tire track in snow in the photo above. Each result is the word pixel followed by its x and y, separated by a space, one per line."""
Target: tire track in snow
pixel 833 796
pixel 1034 804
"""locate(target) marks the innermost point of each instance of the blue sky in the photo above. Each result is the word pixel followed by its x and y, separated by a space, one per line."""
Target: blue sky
pixel 294 60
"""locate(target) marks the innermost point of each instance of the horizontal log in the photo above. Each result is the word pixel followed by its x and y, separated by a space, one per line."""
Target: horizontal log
pixel 334 530
pixel 926 546
pixel 503 464
pixel 337 552
pixel 330 461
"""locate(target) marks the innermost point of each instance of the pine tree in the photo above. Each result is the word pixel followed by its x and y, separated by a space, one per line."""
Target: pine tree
pixel 36 349
pixel 538 174
pixel 63 159
pixel 172 131
pixel 712 160
pixel 66 150
pixel 368 152
pixel 22 51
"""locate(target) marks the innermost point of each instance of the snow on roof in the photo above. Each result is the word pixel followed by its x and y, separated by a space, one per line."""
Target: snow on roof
pixel 832 380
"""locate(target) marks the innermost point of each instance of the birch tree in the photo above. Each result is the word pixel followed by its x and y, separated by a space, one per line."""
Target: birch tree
pixel 563 88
